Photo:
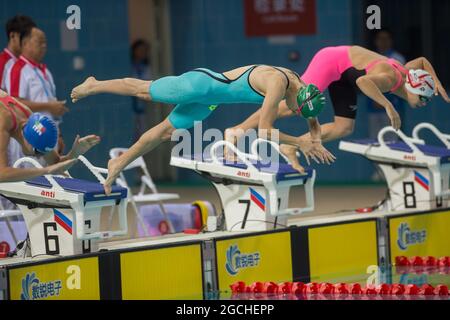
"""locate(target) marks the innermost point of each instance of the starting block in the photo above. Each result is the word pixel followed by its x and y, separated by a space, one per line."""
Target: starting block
pixel 62 214
pixel 254 195
pixel 417 174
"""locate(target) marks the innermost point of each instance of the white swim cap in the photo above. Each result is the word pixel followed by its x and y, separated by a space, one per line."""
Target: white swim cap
pixel 420 82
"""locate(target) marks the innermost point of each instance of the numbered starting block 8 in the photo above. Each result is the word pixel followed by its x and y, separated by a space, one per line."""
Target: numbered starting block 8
pixel 62 214
pixel 254 194
pixel 417 174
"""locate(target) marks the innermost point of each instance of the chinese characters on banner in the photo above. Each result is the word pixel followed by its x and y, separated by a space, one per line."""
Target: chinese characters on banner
pixel 280 17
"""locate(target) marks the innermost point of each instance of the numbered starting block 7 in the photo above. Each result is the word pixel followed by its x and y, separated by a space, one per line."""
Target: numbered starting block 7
pixel 254 194
pixel 62 214
pixel 417 174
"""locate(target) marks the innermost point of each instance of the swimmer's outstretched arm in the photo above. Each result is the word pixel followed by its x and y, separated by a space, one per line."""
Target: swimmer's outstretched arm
pixel 148 141
pixel 373 87
pixel 125 87
pixel 80 147
pixel 269 112
pixel 235 133
pixel 9 174
pixel 424 64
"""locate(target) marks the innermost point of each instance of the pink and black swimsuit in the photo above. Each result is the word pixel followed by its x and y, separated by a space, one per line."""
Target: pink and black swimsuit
pixel 332 69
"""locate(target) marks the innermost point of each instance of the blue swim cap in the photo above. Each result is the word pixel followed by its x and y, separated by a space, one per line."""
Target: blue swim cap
pixel 41 132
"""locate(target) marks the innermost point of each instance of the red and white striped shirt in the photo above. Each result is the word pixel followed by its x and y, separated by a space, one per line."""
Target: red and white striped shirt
pixel 7 59
pixel 29 80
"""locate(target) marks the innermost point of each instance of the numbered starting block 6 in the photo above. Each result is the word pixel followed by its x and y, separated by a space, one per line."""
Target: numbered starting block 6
pixel 254 194
pixel 62 214
pixel 417 174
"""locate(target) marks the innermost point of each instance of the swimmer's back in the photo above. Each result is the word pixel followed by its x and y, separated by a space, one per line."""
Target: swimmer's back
pixel 362 57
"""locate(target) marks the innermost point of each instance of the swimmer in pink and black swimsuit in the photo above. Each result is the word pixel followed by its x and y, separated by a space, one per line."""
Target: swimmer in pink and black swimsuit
pixel 347 70
pixel 332 69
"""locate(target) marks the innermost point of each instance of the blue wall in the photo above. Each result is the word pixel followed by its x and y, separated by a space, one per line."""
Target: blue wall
pixel 211 34
pixel 103 43
pixel 205 33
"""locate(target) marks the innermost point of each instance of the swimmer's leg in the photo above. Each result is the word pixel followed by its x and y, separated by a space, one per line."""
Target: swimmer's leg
pixel 146 143
pixel 291 153
pixel 182 117
pixel 339 128
pixel 126 87
pixel 344 98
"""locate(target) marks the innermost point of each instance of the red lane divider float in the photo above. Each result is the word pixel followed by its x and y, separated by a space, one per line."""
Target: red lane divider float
pixel 4 249
pixel 429 265
pixel 339 289
pixel 429 261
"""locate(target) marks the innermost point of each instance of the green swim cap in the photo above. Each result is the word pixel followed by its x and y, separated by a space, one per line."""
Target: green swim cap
pixel 310 101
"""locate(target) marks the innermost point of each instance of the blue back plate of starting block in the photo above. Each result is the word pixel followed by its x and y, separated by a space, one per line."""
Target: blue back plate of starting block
pixel 431 151
pixel 282 171
pixel 92 191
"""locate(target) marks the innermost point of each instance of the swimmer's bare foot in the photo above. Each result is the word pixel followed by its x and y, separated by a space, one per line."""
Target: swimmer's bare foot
pixel 291 153
pixel 83 90
pixel 113 172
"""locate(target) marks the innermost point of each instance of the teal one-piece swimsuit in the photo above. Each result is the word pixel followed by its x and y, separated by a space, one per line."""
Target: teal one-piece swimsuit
pixel 197 94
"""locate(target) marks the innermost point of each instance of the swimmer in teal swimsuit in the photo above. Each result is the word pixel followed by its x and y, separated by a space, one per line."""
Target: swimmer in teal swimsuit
pixel 199 92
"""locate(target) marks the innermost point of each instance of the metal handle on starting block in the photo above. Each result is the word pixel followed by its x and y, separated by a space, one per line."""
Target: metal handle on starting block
pixel 444 138
pixel 36 164
pixel 409 141
pixel 276 146
pixel 123 223
pixel 94 170
pixel 241 156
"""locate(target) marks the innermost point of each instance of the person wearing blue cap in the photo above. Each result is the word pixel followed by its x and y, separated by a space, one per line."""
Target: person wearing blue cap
pixel 38 136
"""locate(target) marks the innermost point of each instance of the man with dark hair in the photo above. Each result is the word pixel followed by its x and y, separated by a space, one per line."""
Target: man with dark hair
pixel 16 27
pixel 29 78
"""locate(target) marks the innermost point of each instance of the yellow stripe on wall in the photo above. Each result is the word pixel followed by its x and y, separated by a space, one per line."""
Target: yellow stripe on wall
pixel 162 274
pixel 274 261
pixel 343 251
pixel 66 280
pixel 420 235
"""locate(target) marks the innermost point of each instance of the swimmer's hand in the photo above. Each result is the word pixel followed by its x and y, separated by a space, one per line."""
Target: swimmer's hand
pixel 393 115
pixel 60 167
pixel 108 185
pixel 82 145
pixel 440 90
pixel 325 155
pixel 57 108
pixel 114 169
pixel 315 150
